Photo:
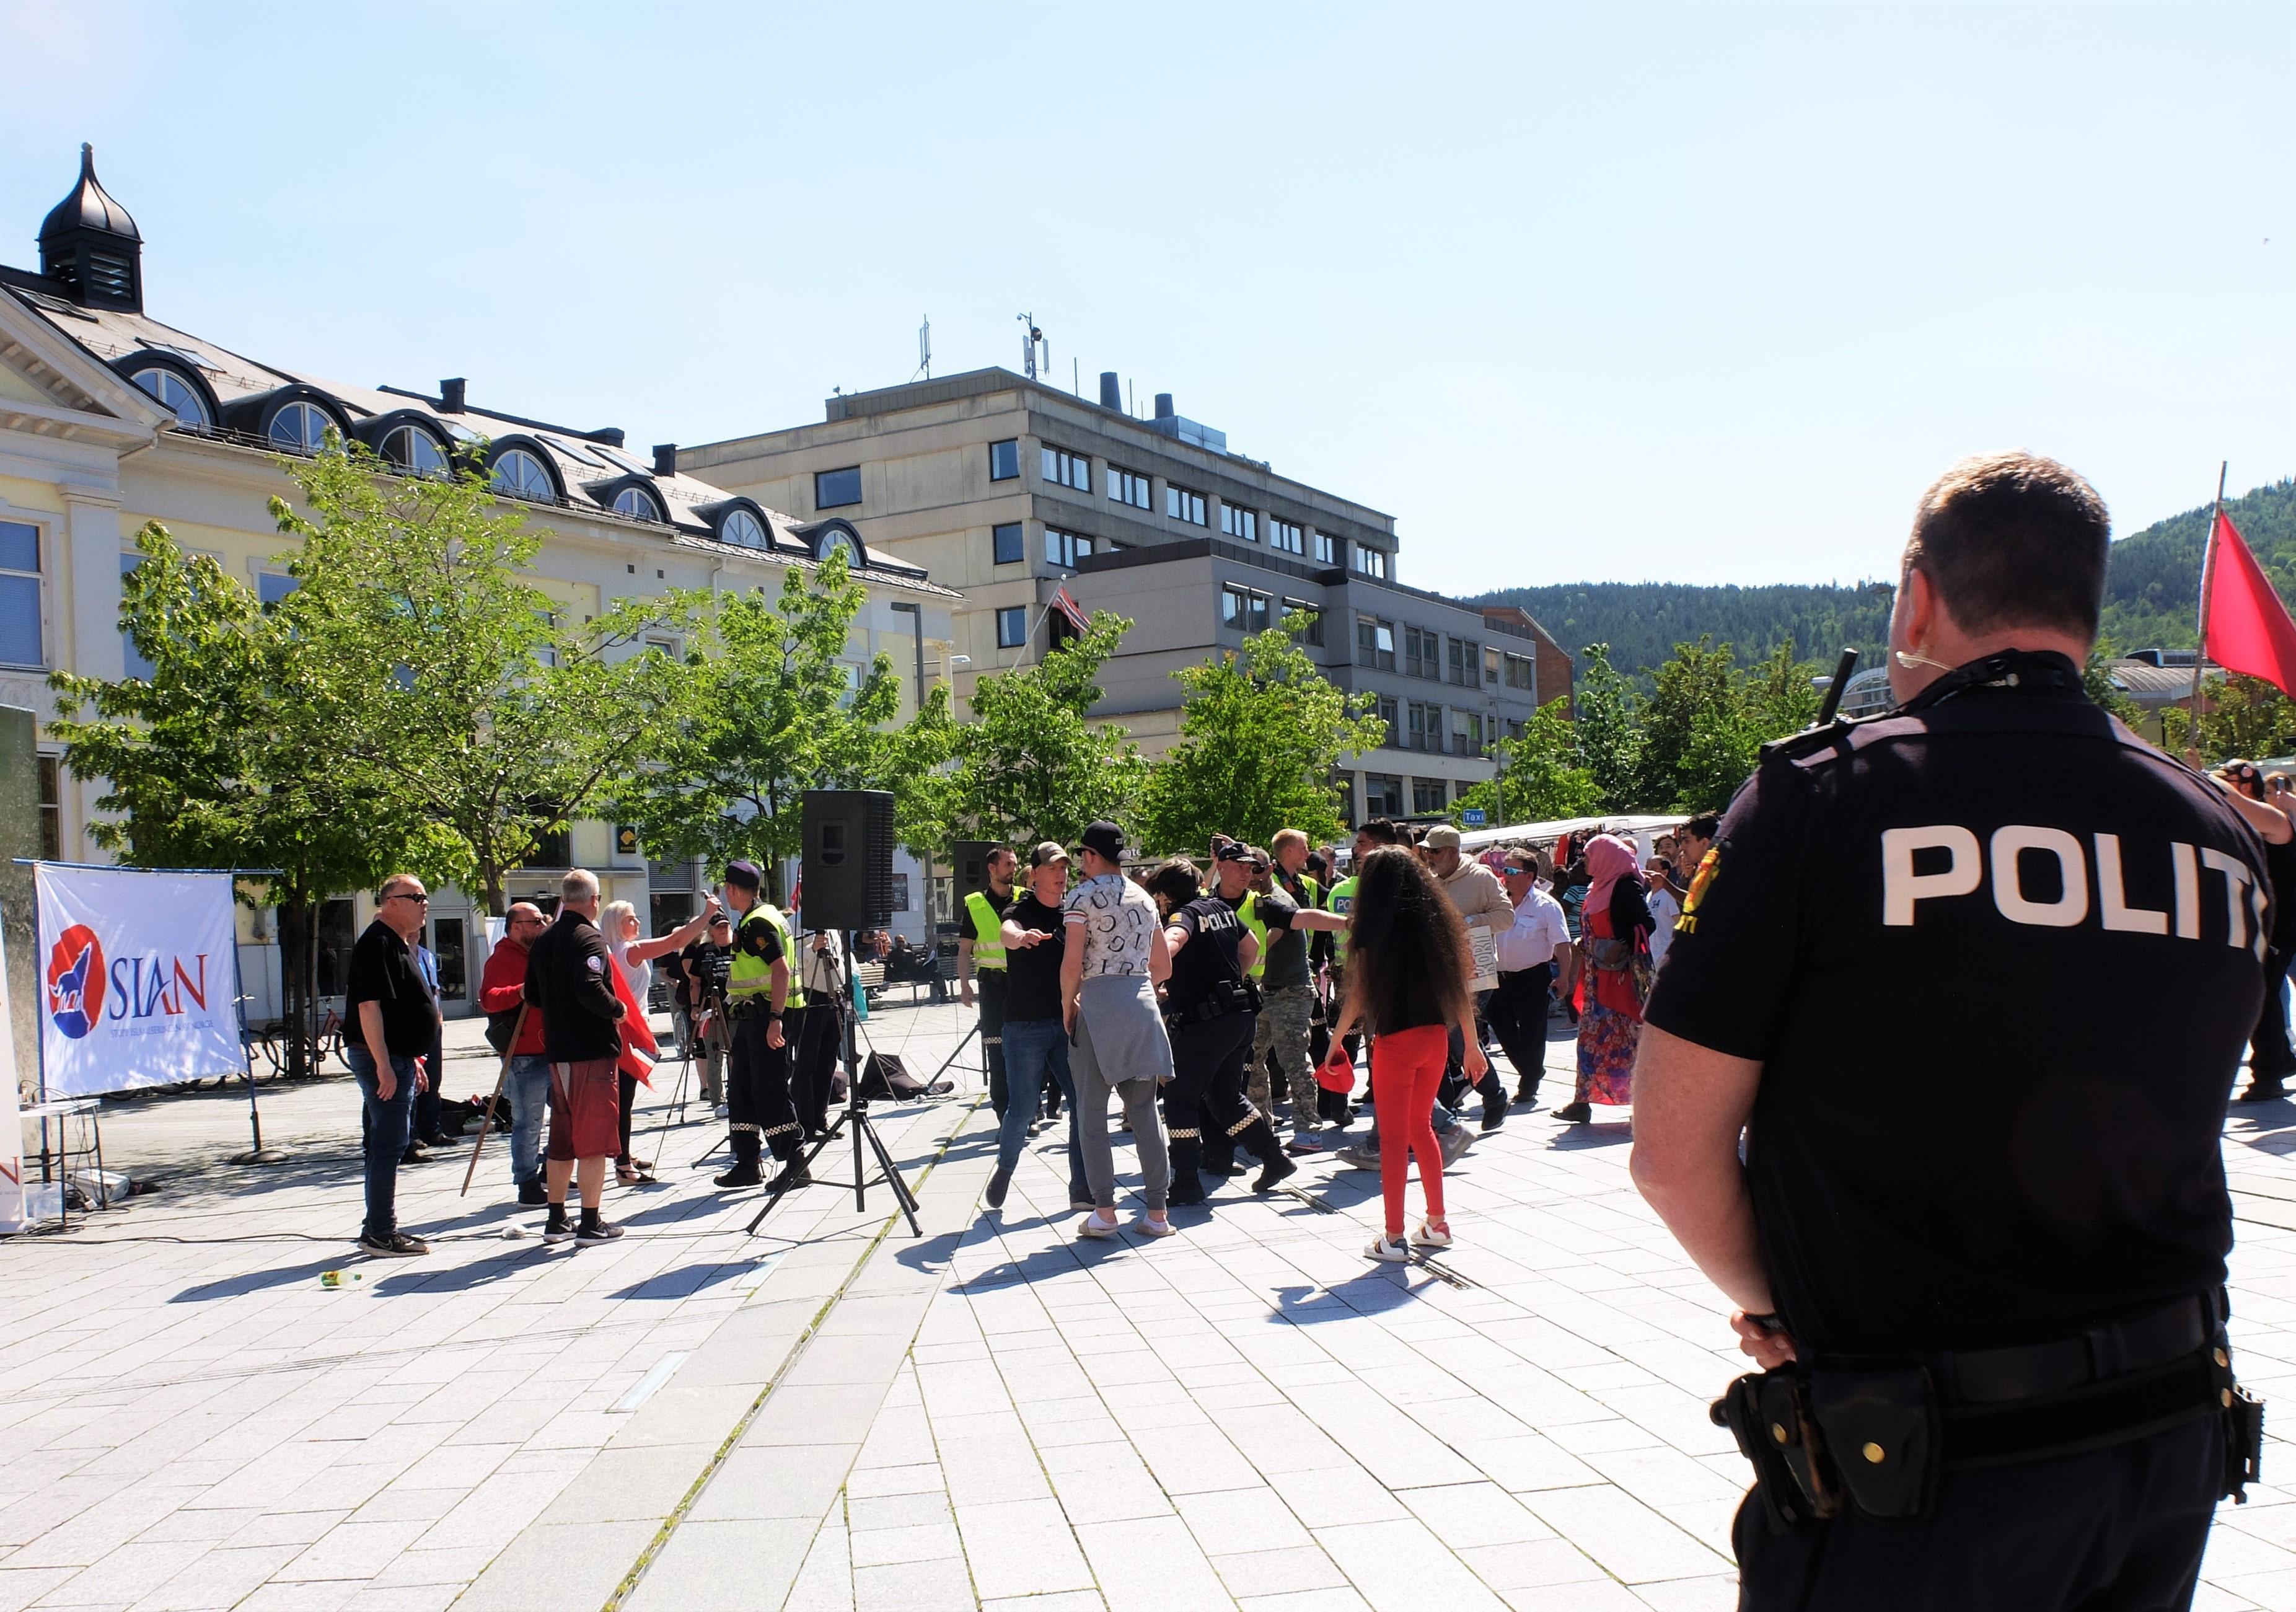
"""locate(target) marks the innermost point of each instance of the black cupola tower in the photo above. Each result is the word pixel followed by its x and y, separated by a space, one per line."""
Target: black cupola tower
pixel 90 246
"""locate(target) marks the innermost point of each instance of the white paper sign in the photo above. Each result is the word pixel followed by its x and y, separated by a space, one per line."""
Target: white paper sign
pixel 137 973
pixel 1485 948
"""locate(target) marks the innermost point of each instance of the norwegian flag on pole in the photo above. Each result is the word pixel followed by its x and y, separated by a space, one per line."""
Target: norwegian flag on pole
pixel 1071 612
pixel 2249 629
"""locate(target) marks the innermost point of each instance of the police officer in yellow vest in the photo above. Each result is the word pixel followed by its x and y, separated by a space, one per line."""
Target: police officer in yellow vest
pixel 981 947
pixel 762 999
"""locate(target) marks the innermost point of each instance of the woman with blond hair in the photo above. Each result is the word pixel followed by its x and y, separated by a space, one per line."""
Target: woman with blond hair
pixel 619 923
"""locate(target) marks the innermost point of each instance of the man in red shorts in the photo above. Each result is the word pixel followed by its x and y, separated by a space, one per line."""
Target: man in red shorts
pixel 569 982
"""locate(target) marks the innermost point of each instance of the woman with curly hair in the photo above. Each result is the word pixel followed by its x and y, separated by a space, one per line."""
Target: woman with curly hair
pixel 1408 965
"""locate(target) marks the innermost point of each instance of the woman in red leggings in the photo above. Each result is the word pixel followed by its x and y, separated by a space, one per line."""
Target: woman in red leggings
pixel 1407 970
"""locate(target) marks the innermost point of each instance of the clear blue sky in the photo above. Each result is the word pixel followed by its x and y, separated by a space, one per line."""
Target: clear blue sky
pixel 1663 292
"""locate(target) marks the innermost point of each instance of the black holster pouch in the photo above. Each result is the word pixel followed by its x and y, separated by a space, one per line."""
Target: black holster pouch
pixel 2244 1429
pixel 1768 1413
pixel 1883 1428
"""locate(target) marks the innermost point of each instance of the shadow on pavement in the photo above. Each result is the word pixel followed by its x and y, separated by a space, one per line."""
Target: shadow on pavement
pixel 258 1281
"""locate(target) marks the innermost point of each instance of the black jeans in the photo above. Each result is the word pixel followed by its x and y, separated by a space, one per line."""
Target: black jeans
pixel 2270 1059
pixel 758 1092
pixel 816 1052
pixel 988 985
pixel 1206 1089
pixel 1518 1016
pixel 2116 1530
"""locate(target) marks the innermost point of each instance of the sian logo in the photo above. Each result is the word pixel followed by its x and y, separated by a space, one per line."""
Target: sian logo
pixel 76 980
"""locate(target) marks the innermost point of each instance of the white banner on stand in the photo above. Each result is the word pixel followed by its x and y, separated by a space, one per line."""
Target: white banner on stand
pixel 139 980
pixel 12 1215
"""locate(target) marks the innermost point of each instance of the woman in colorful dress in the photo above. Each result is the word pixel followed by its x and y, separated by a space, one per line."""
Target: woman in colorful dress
pixel 1615 926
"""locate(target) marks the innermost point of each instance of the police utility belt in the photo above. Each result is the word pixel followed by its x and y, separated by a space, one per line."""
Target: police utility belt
pixel 1873 1435
pixel 1224 998
pixel 740 1007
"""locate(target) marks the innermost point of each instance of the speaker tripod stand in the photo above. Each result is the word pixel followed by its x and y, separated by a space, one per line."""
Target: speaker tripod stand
pixel 854 1119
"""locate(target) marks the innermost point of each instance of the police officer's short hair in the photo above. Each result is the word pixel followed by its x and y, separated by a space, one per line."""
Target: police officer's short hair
pixel 1177 880
pixel 580 885
pixel 2013 539
pixel 1381 831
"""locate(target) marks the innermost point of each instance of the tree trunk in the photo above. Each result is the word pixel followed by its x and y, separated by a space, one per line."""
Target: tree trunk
pixel 297 958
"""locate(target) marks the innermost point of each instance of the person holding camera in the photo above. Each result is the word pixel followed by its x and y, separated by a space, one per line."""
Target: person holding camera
pixel 699 974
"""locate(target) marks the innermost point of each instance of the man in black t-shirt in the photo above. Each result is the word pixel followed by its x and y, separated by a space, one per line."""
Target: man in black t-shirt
pixel 390 1020
pixel 1034 937
pixel 1981 1227
pixel 1207 1012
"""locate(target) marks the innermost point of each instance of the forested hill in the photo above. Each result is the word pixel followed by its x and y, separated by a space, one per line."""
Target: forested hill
pixel 2152 596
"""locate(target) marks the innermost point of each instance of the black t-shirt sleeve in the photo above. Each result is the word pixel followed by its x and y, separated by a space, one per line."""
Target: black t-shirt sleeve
pixel 1732 963
pixel 1276 910
pixel 761 941
pixel 1182 918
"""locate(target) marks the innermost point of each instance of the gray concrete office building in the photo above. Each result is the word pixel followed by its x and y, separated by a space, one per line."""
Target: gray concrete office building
pixel 1009 489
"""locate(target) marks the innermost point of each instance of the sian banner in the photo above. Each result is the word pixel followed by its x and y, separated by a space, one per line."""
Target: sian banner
pixel 137 974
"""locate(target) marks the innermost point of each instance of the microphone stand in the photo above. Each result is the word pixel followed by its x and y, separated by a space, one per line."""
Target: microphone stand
pixel 854 1117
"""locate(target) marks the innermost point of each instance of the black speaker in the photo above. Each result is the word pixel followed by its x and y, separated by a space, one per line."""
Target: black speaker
pixel 848 859
pixel 970 858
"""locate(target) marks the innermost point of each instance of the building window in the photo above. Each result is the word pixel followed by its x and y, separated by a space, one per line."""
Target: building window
pixel 1519 672
pixel 1422 654
pixel 836 489
pixel 19 595
pixel 1068 469
pixel 52 808
pixel 637 503
pixel 301 427
pixel 173 392
pixel 1004 460
pixel 1314 632
pixel 1327 549
pixel 1065 547
pixel 1428 797
pixel 130 657
pixel 1490 666
pixel 1466 662
pixel 1466 732
pixel 1128 487
pixel 1239 522
pixel 521 474
pixel 1422 725
pixel 1376 642
pixel 1011 627
pixel 1287 537
pixel 413 451
pixel 1386 716
pixel 1244 609
pixel 1372 562
pixel 742 529
pixel 272 586
pixel 1181 504
pixel 1010 549
pixel 1382 795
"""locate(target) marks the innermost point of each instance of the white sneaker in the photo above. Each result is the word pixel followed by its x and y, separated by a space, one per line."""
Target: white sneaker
pixel 1431 1236
pixel 1395 1253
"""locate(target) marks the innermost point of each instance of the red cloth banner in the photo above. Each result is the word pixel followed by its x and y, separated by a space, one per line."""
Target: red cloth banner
pixel 2249 628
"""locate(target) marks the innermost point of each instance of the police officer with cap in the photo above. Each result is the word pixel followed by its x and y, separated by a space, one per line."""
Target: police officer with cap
pixel 1978 1237
pixel 757 991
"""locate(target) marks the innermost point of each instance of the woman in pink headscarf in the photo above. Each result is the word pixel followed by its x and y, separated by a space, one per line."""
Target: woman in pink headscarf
pixel 1614 929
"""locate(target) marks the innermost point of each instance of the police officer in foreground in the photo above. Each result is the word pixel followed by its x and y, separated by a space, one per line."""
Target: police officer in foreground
pixel 758 993
pixel 1978 1237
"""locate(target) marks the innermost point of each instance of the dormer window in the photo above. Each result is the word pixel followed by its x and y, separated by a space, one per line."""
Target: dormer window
pixel 299 427
pixel 413 451
pixel 637 503
pixel 742 527
pixel 173 392
pixel 521 474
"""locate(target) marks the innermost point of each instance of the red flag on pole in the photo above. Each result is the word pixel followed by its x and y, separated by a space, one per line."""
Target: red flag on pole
pixel 1074 617
pixel 2248 628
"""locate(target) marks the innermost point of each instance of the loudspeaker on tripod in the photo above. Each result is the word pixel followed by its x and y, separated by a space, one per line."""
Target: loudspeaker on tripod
pixel 846 860
pixel 970 858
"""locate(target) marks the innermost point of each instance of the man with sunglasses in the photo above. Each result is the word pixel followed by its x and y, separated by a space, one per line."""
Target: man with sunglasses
pixel 390 1020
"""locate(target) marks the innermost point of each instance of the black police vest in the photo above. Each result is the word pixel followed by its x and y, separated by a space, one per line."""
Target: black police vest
pixel 1998 959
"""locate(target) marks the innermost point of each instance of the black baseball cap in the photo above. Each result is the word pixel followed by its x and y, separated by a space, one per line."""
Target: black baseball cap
pixel 1104 838
pixel 1233 851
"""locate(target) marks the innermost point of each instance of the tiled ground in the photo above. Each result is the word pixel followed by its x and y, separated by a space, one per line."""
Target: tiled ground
pixel 1249 1414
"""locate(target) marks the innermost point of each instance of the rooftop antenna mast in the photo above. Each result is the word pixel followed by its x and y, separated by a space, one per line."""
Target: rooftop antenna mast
pixel 1036 352
pixel 924 349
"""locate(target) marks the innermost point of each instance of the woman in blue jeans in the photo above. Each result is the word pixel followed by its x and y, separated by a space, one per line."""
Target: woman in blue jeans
pixel 1036 1040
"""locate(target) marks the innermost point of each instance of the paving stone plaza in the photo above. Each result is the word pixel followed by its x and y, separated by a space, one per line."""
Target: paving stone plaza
pixel 833 1414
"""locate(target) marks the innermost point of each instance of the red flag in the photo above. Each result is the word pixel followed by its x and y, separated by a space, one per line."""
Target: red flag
pixel 2249 629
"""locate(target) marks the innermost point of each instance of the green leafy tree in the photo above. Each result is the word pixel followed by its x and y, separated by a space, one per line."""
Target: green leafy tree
pixel 2241 716
pixel 776 707
pixel 1695 730
pixel 1781 695
pixel 1540 776
pixel 1260 732
pixel 224 756
pixel 1029 765
pixel 461 687
pixel 1610 730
